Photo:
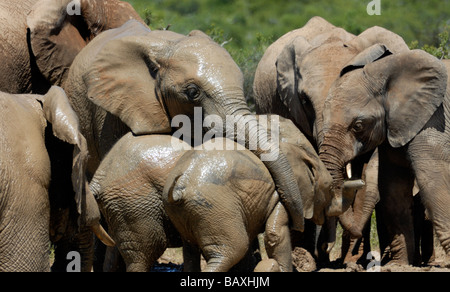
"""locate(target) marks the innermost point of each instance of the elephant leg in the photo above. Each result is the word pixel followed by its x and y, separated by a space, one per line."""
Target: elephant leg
pixel 395 209
pixel 24 239
pixel 427 242
pixel 423 231
pixel 356 249
pixel 112 260
pixel 221 257
pixel 191 258
pixel 325 241
pixel 430 159
pixel 142 247
pixel 81 242
pixel 277 238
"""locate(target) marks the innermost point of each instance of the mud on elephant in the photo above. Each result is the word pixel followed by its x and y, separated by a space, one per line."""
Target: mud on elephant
pixel 129 190
pixel 294 78
pixel 400 104
pixel 40 39
pixel 27 124
pixel 134 78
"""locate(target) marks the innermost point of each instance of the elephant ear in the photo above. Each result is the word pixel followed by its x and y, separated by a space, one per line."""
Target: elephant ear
pixel 60 29
pixel 122 80
pixel 289 80
pixel 413 87
pixel 369 55
pixel 65 125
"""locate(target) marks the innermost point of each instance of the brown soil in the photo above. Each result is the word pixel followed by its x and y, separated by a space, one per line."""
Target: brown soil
pixel 304 262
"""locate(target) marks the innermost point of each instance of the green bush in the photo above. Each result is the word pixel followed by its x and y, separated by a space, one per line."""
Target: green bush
pixel 442 51
pixel 246 27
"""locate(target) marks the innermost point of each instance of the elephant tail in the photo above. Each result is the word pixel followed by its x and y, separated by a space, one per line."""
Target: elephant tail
pixel 174 192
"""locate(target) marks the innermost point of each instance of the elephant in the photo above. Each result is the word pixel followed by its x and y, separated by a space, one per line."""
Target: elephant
pixel 130 180
pixel 42 37
pixel 128 187
pixel 293 79
pixel 219 201
pixel 400 104
pixel 26 171
pixel 132 78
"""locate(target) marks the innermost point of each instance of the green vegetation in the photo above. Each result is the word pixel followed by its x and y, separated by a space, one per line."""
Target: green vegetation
pixel 246 27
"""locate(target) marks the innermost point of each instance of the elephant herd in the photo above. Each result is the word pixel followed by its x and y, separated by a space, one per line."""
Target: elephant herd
pixel 356 121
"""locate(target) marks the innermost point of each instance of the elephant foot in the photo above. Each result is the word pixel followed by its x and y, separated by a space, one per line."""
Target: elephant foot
pixel 446 262
pixel 267 266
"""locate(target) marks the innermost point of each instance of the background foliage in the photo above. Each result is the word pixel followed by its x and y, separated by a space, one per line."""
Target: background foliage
pixel 247 27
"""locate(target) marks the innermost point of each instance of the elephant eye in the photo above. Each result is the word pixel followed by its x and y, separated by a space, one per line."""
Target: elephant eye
pixel 358 126
pixel 192 92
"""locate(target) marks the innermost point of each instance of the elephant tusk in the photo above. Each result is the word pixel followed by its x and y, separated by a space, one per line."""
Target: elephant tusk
pixel 101 234
pixel 329 246
pixel 348 169
pixel 354 184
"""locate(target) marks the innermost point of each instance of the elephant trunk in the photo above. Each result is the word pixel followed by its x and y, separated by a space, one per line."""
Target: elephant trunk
pixel 248 130
pixel 344 190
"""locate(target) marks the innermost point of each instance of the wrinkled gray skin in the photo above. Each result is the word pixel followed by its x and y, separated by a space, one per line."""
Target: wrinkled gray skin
pixel 17 74
pixel 293 79
pixel 134 78
pixel 25 172
pixel 130 180
pixel 128 186
pixel 399 103
pixel 39 43
pixel 220 201
pixel 39 40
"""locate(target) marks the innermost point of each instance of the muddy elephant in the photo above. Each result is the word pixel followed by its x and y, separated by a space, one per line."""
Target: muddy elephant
pixel 280 88
pixel 42 37
pixel 129 190
pixel 27 123
pixel 131 78
pixel 400 104
pixel 220 201
pixel 293 80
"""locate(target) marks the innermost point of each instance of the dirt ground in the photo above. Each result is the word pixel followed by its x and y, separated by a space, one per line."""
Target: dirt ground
pixel 303 262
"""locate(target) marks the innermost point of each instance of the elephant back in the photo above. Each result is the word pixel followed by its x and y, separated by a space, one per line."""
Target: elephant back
pixel 137 161
pixel 16 71
pixel 22 126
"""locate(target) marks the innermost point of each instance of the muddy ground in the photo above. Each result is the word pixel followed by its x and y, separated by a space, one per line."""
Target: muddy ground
pixel 172 260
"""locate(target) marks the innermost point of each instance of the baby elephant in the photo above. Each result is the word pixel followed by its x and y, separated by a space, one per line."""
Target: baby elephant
pixel 128 186
pixel 220 201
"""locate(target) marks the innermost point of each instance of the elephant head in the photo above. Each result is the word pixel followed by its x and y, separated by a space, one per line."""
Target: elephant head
pixel 379 97
pixel 60 29
pixel 147 78
pixel 307 68
pixel 284 80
